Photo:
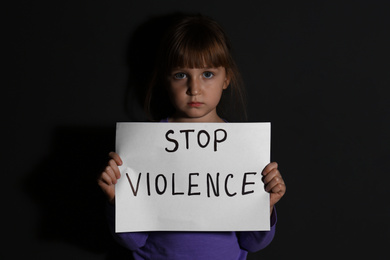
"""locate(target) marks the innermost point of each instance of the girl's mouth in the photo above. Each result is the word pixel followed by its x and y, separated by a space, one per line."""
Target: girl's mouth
pixel 195 104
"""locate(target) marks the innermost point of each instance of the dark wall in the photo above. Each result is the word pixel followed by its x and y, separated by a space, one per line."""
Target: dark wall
pixel 317 70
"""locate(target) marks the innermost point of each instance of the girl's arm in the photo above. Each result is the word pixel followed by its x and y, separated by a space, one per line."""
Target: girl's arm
pixel 257 240
pixel 274 184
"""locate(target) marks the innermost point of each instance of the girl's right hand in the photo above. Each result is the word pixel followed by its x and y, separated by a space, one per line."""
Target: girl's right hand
pixel 109 177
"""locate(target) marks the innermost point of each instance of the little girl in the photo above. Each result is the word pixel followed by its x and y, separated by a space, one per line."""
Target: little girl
pixel 193 76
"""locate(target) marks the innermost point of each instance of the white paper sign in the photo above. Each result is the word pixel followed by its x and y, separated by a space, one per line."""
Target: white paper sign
pixel 192 177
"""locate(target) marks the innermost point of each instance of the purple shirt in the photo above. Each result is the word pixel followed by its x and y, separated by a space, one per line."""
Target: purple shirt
pixel 193 245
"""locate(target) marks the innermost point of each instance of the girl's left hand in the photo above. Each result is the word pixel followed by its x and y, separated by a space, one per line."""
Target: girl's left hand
pixel 273 183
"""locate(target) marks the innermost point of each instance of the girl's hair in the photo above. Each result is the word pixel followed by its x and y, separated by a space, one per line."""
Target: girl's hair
pixel 194 41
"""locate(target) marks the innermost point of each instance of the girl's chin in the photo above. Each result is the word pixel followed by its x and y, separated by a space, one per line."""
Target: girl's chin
pixel 195 117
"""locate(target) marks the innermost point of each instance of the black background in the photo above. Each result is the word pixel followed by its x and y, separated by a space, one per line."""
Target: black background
pixel 317 70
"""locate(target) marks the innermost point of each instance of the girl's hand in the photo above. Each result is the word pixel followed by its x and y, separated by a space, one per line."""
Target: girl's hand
pixel 108 178
pixel 273 183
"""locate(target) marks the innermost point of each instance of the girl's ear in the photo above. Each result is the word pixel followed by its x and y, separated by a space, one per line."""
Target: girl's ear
pixel 227 81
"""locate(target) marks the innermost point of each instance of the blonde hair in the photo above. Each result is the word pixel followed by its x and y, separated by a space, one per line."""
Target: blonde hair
pixel 194 41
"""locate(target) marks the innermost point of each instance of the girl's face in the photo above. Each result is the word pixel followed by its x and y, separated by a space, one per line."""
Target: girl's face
pixel 195 93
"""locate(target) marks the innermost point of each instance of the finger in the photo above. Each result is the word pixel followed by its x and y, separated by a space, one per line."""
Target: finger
pixel 112 175
pixel 108 189
pixel 114 168
pixel 116 158
pixel 275 185
pixel 105 182
pixel 103 185
pixel 267 169
pixel 277 193
pixel 105 178
pixel 274 173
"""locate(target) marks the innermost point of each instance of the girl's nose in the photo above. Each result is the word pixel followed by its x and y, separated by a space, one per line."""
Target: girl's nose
pixel 194 88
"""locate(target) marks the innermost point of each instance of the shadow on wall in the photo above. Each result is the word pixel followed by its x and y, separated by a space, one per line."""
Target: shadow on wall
pixel 64 187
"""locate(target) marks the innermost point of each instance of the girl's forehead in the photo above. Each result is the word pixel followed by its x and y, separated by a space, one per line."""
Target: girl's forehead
pixel 207 58
pixel 192 67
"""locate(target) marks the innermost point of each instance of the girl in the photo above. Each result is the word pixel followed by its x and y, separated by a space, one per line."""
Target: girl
pixel 193 76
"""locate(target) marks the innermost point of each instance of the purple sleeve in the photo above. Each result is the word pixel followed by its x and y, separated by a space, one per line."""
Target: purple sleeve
pixel 256 240
pixel 130 240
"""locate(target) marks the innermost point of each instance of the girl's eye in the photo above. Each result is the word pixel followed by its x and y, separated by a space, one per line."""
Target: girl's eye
pixel 180 75
pixel 208 74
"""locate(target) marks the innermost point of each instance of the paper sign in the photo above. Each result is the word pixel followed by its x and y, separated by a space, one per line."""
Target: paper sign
pixel 192 177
